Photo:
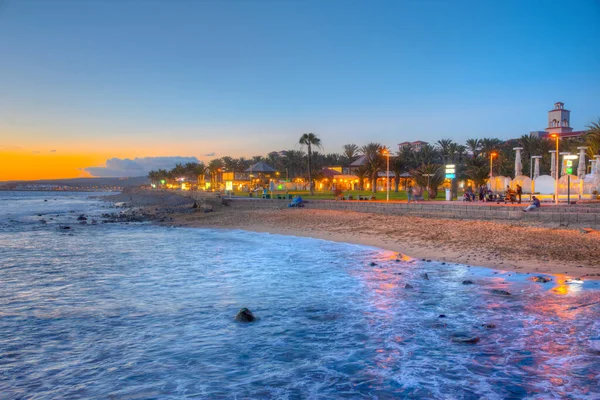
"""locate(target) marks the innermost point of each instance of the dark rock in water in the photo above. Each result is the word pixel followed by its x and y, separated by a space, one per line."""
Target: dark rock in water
pixel 408 286
pixel 489 326
pixel 195 205
pixel 397 260
pixel 467 282
pixel 541 279
pixel 45 200
pixel 81 218
pixel 425 276
pixel 43 221
pixel 500 292
pixel 372 264
pixel 245 315
pixel 428 260
pixel 442 316
pixel 465 339
pixel 64 227
pixel 443 263
pixel 422 259
pixel 39 215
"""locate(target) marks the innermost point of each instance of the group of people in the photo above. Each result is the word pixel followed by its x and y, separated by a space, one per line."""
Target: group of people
pixel 486 194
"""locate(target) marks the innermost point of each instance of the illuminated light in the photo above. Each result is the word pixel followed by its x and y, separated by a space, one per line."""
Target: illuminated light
pixel 162 181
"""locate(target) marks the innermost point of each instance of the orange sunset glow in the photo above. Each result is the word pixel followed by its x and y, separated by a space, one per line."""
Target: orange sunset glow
pixel 23 165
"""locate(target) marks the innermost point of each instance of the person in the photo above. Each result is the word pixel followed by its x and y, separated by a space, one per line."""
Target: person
pixel 482 192
pixel 296 202
pixel 409 193
pixel 519 193
pixel 535 203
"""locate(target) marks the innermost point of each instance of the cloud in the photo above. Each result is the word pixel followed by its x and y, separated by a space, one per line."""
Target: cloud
pixel 52 151
pixel 124 167
pixel 210 154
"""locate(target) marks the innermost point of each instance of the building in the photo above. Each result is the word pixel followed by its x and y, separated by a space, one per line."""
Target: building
pixel 414 146
pixel 559 122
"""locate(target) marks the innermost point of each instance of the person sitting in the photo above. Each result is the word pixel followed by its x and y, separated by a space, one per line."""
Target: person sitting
pixel 535 203
pixel 466 196
pixel 297 202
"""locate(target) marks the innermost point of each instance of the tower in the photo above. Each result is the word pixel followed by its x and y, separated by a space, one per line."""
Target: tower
pixel 559 119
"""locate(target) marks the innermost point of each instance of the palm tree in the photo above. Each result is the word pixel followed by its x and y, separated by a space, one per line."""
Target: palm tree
pixel 373 162
pixel 474 145
pixel 478 170
pixel 309 140
pixel 446 149
pixel 399 167
pixel 432 183
pixel 489 145
pixel 427 155
pixel 592 138
pixel 350 152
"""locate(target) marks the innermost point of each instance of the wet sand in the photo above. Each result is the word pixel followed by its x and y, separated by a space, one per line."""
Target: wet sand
pixel 505 245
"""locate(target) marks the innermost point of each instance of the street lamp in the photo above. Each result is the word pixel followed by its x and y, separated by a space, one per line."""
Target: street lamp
pixel 556 136
pixel 492 155
pixel 386 152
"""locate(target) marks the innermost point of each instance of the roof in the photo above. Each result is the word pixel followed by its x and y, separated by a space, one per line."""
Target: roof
pixel 359 161
pixel 260 167
pixel 329 173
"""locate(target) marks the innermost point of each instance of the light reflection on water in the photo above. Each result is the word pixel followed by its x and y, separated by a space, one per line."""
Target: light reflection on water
pixel 144 311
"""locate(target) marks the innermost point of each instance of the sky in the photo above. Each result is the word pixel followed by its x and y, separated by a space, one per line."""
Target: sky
pixel 86 83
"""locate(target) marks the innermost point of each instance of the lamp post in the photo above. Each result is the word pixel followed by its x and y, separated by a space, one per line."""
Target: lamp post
pixel 492 155
pixel 556 136
pixel 386 152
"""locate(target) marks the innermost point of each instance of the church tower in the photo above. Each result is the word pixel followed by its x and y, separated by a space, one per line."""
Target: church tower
pixel 559 119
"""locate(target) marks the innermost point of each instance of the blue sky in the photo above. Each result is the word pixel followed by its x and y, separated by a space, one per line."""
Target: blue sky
pixel 159 78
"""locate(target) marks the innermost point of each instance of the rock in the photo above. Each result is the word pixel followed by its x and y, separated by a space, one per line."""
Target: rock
pixel 45 200
pixel 467 282
pixel 465 339
pixel 39 215
pixel 64 227
pixel 500 292
pixel 397 260
pixel 541 279
pixel 195 205
pixel 428 260
pixel 442 316
pixel 489 326
pixel 82 218
pixel 245 315
pixel 372 264
pixel 408 286
pixel 425 276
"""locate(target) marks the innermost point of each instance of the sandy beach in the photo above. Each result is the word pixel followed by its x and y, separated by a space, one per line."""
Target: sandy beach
pixel 505 245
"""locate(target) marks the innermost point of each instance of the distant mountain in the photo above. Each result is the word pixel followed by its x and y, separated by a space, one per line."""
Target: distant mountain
pixel 78 183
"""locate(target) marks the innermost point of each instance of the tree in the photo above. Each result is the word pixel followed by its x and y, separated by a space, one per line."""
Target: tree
pixel 373 162
pixel 427 155
pixel 432 183
pixel 474 145
pixel 592 139
pixel 309 140
pixel 350 152
pixel 399 167
pixel 478 170
pixel 446 148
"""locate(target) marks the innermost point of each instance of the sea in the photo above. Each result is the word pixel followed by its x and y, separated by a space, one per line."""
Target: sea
pixel 139 311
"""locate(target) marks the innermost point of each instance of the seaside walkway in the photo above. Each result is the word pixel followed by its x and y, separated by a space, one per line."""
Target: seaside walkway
pixel 579 215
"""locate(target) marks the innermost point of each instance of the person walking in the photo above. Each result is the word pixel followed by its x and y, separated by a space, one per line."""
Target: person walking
pixel 409 192
pixel 519 193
